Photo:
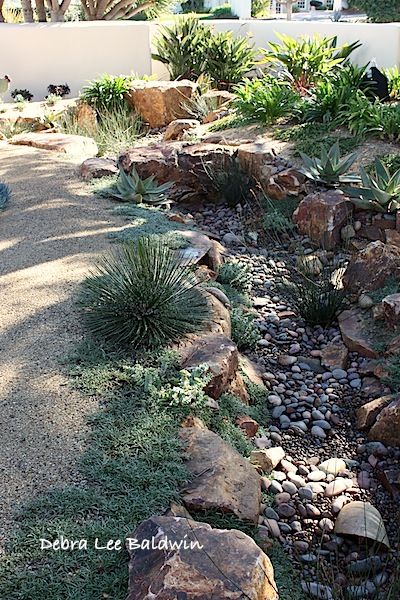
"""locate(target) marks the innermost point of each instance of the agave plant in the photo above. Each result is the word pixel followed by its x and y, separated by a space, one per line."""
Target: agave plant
pixel 330 168
pixel 131 188
pixel 380 189
pixel 5 194
pixel 144 295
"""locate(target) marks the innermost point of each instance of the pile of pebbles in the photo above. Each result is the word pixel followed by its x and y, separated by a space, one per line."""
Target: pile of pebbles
pixel 327 463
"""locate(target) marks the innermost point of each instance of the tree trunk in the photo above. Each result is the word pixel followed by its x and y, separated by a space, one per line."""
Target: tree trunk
pixel 289 10
pixel 1 11
pixel 27 11
pixel 41 11
pixel 57 11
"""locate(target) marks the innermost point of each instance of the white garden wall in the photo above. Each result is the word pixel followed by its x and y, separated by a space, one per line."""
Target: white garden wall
pixel 35 55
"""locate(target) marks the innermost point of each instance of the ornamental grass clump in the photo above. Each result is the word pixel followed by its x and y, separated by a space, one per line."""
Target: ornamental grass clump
pixel 144 295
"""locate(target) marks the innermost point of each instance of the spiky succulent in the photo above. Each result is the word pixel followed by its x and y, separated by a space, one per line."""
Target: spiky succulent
pixel 380 189
pixel 330 168
pixel 131 188
pixel 235 274
pixel 5 194
pixel 144 295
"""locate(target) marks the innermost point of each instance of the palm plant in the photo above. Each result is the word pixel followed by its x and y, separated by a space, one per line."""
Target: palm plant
pixel 380 189
pixel 5 194
pixel 143 296
pixel 131 188
pixel 307 60
pixel 330 168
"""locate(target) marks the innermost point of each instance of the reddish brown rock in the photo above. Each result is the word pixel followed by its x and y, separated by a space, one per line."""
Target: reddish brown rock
pixel 322 215
pixel 222 479
pixel 93 168
pixel 355 333
pixel 286 183
pixel 267 458
pixel 251 370
pixel 393 238
pixel 85 116
pixel 221 356
pixel 220 318
pixel 254 157
pixel 72 145
pixel 220 564
pixel 215 115
pixel 160 102
pixel 335 356
pixel 387 426
pixel 370 268
pixel 248 425
pixel 367 414
pixel 237 387
pixel 177 129
pixel 391 309
pixel 218 98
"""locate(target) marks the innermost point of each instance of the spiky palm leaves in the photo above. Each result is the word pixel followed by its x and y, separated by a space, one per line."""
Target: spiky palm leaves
pixel 143 296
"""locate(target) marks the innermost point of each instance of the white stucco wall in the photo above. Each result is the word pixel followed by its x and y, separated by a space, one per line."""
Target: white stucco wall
pixel 35 55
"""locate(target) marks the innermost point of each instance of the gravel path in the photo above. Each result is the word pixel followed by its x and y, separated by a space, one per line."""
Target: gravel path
pixel 49 236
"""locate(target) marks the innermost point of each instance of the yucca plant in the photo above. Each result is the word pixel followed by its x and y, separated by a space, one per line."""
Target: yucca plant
pixel 380 190
pixel 131 188
pixel 5 194
pixel 318 298
pixel 144 295
pixel 306 60
pixel 330 168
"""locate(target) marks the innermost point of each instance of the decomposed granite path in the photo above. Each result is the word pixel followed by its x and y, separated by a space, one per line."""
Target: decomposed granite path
pixel 50 234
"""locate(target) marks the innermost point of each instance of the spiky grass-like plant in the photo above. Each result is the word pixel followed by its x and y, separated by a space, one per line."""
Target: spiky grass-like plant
pixel 5 194
pixel 235 274
pixel 144 295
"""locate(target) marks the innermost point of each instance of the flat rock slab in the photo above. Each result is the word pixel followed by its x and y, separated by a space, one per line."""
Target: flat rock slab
pixel 367 413
pixel 72 145
pixel 355 334
pixel 225 565
pixel 222 479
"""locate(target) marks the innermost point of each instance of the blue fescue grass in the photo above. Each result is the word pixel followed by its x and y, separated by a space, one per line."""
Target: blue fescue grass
pixel 5 194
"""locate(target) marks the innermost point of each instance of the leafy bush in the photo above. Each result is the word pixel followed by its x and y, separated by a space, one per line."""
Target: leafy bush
pixel 266 100
pixel 306 60
pixel 131 188
pixel 330 168
pixel 17 95
pixel 380 11
pixel 245 333
pixel 230 182
pixel 190 49
pixel 234 274
pixel 107 94
pixel 144 295
pixel 380 189
pixel 319 297
pixel 5 194
pixel 222 12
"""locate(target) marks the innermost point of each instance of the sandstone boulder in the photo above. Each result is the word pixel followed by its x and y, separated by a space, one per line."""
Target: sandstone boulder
pixel 367 413
pixel 391 309
pixel 85 116
pixel 335 356
pixel 218 98
pixel 285 183
pixel 322 215
pixel 72 145
pixel 221 356
pixel 267 458
pixel 255 157
pixel 222 479
pixel 355 334
pixel 177 129
pixel 387 426
pixel 220 318
pixel 160 102
pixel 251 370
pixel 93 168
pixel 371 267
pixel 222 564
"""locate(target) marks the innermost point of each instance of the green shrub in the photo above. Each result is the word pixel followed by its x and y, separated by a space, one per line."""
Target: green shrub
pixel 184 394
pixel 306 60
pixel 330 168
pixel 363 117
pixel 234 274
pixel 393 76
pixel 190 49
pixel 245 333
pixel 380 11
pixel 266 100
pixel 5 194
pixel 143 295
pixel 379 191
pixel 259 8
pixel 318 298
pixel 222 12
pixel 107 94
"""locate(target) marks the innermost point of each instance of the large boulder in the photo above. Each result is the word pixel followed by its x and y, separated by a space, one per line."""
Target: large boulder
pixel 255 159
pixel 161 102
pixel 367 413
pixel 391 309
pixel 222 357
pixel 387 426
pixel 221 478
pixel 355 334
pixel 370 268
pixel 72 145
pixel 213 563
pixel 322 215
